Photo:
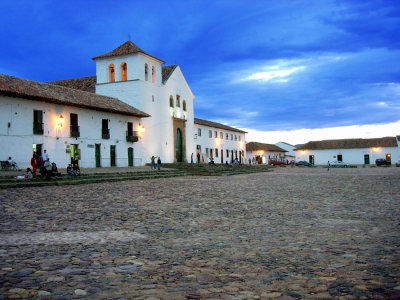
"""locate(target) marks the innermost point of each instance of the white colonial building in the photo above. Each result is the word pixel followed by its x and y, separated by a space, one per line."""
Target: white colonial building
pixel 223 144
pixel 134 108
pixel 350 151
pixel 262 153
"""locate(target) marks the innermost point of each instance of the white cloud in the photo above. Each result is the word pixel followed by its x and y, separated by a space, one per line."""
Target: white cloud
pixel 300 136
pixel 275 72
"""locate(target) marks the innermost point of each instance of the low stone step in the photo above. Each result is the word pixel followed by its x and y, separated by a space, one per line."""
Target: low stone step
pixel 87 179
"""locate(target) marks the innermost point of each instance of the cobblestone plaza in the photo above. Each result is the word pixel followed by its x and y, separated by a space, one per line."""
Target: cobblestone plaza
pixel 294 233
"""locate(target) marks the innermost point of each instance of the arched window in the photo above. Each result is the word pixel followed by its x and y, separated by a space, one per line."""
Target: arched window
pixel 124 71
pixel 184 105
pixel 146 72
pixel 171 101
pixel 111 73
pixel 178 101
pixel 153 75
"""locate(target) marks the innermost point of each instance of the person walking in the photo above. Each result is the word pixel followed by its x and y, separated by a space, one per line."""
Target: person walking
pixel 153 162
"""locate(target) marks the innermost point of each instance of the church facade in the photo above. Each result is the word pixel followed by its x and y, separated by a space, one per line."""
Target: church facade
pixel 132 109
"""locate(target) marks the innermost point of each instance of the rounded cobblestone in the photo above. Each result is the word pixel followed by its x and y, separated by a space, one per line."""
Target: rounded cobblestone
pixel 294 233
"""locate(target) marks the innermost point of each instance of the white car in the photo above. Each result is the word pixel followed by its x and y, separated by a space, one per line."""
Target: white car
pixel 338 164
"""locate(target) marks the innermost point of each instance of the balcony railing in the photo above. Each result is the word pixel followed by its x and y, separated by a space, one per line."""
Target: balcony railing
pixel 132 136
pixel 105 133
pixel 38 128
pixel 74 131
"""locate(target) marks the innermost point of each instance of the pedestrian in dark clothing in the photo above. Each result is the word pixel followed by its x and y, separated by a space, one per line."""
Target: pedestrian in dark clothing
pixel 158 163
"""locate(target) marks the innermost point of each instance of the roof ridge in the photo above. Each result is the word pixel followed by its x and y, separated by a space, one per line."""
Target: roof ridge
pixel 124 49
pixel 83 77
pixel 47 92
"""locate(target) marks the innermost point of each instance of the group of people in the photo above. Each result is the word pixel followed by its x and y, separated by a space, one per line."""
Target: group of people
pixel 153 163
pixel 41 163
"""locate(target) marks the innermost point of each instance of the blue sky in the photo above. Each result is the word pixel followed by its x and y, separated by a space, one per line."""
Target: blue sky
pixel 260 65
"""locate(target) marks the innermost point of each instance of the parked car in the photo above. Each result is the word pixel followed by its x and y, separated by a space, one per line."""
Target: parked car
pixel 303 163
pixel 338 164
pixel 382 162
pixel 398 164
pixel 276 162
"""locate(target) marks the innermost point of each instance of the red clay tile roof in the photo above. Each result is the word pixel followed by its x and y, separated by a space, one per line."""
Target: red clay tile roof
pixel 254 146
pixel 349 144
pixel 38 91
pixel 167 72
pixel 87 84
pixel 216 125
pixel 125 49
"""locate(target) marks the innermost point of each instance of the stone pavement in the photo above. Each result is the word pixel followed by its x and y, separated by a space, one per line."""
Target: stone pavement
pixel 294 233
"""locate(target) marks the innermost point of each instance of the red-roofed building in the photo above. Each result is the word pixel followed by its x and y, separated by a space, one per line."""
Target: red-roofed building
pixel 132 109
pixel 350 151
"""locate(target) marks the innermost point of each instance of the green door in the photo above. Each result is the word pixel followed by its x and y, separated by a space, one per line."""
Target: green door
pixel 178 145
pixel 366 159
pixel 97 155
pixel 112 156
pixel 130 156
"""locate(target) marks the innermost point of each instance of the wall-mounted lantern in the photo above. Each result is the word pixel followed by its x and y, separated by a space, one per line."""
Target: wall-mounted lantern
pixel 141 130
pixel 60 121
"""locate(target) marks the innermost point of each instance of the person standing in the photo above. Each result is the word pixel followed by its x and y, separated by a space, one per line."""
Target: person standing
pixel 191 158
pixel 45 156
pixel 198 157
pixel 153 162
pixel 158 163
pixel 34 163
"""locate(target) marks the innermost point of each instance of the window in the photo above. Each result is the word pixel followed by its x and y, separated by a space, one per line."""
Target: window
pixel 221 135
pixel 215 134
pixel 235 137
pixel 227 153
pixel 207 152
pixel 111 73
pixel 146 72
pixel 210 134
pixel 239 138
pixel 153 75
pixel 227 136
pixel 184 105
pixel 178 101
pixel 340 157
pixel 131 136
pixel 199 131
pixel 216 152
pixel 231 137
pixel 74 128
pixel 124 72
pixel 171 101
pixel 38 122
pixel 211 153
pixel 105 132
